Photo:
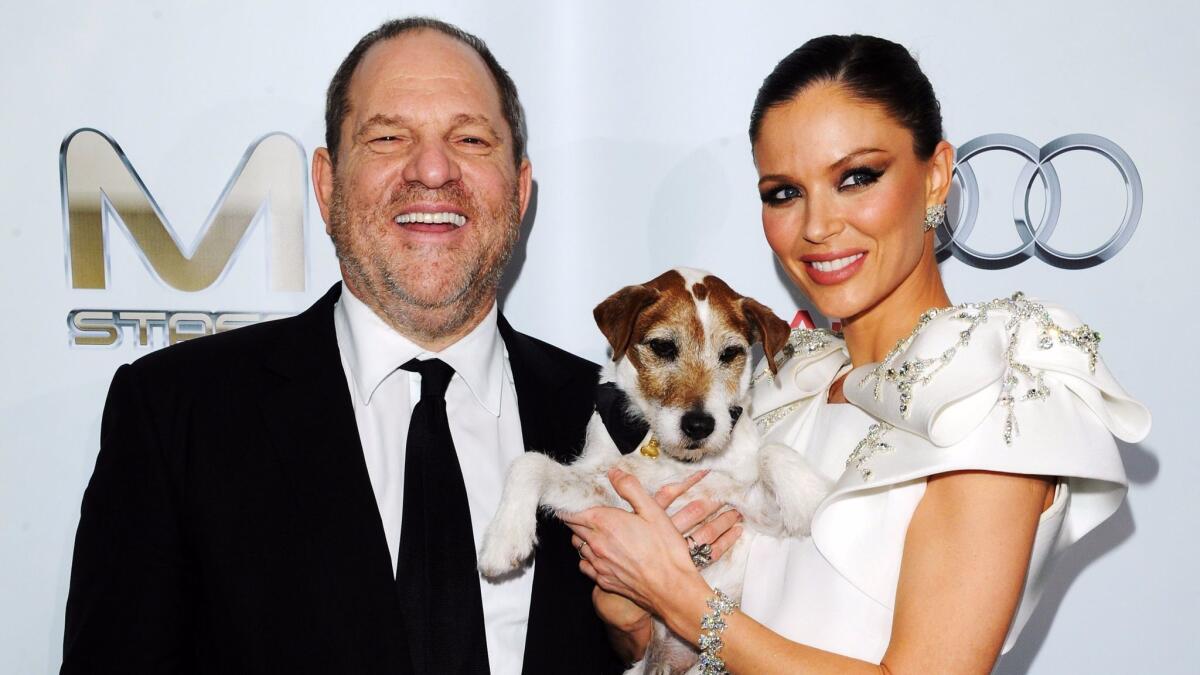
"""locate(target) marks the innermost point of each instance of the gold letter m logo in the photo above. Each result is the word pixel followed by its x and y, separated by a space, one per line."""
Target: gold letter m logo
pixel 101 187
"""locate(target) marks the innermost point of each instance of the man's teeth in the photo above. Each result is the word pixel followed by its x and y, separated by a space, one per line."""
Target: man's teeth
pixel 835 265
pixel 441 217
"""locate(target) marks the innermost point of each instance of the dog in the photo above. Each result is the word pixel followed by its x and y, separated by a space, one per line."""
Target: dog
pixel 681 369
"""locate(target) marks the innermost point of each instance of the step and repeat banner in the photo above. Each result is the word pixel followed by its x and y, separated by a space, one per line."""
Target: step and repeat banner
pixel 156 189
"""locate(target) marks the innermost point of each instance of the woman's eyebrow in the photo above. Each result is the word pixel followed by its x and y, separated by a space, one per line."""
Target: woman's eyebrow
pixel 853 156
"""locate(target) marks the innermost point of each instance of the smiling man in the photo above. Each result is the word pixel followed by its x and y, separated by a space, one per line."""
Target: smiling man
pixel 313 499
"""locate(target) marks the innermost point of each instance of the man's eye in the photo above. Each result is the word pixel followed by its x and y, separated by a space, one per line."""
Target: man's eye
pixel 859 178
pixel 664 349
pixel 780 195
pixel 731 353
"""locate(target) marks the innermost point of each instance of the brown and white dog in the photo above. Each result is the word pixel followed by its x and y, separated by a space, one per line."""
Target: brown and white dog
pixel 681 355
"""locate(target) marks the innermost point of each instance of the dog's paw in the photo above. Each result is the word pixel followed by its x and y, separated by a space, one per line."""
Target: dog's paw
pixel 505 551
pixel 798 489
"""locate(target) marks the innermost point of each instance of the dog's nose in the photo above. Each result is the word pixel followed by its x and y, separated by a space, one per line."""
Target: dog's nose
pixel 697 425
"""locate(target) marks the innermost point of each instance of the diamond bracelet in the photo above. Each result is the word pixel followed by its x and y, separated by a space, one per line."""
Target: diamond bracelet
pixel 711 627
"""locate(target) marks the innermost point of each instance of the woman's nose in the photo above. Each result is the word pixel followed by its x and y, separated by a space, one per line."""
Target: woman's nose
pixel 821 221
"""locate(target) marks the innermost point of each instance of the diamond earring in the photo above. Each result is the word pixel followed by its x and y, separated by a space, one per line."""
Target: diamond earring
pixel 934 216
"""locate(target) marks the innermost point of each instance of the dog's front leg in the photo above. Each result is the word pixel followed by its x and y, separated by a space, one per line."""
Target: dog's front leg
pixel 512 534
pixel 794 486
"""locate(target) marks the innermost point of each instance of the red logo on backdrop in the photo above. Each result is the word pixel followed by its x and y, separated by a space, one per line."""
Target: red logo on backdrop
pixel 804 320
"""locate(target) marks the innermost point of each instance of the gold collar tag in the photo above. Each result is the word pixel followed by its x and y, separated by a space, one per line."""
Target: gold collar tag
pixel 650 448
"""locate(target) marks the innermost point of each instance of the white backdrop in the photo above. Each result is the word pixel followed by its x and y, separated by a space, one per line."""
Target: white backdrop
pixel 637 113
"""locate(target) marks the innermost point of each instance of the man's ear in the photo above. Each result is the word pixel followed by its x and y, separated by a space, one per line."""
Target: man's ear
pixel 322 179
pixel 769 328
pixel 524 185
pixel 618 314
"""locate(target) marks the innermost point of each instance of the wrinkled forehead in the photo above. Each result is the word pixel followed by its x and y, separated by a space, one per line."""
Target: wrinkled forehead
pixel 701 304
pixel 419 67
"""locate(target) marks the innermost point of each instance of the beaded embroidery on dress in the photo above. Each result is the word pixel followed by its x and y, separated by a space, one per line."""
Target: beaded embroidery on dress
pixel 804 346
pixel 997 337
pixel 910 374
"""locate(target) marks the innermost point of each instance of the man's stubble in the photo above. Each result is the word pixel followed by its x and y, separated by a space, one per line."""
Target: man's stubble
pixel 390 282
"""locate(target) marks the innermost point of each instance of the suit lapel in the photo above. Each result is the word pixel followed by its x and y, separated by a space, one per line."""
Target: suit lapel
pixel 550 397
pixel 309 415
pixel 537 379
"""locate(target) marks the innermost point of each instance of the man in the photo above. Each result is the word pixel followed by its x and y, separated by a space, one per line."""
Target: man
pixel 288 498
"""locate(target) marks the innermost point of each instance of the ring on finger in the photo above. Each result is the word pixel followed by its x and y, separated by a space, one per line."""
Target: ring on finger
pixel 701 553
pixel 579 550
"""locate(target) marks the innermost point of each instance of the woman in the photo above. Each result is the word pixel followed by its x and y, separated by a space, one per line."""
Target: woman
pixel 968 445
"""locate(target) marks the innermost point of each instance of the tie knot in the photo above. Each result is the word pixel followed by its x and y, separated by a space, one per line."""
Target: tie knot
pixel 435 376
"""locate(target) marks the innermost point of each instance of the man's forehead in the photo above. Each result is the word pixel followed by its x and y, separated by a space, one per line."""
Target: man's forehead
pixel 423 59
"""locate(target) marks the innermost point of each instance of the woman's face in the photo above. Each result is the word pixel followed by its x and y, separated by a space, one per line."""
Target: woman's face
pixel 844 197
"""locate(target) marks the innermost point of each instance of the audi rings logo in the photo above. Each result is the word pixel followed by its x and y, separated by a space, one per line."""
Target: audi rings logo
pixel 1035 234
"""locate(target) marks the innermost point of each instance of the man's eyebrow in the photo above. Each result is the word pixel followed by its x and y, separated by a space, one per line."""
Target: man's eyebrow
pixel 463 119
pixel 380 120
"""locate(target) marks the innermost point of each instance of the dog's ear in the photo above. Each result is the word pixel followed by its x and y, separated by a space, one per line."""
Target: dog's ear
pixel 769 328
pixel 618 313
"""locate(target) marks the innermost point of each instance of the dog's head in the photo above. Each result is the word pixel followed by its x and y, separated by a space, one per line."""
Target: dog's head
pixel 681 348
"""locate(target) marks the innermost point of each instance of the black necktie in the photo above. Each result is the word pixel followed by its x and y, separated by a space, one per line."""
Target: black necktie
pixel 436 567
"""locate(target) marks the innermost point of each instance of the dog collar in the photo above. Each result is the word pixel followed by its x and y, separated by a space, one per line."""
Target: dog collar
pixel 626 428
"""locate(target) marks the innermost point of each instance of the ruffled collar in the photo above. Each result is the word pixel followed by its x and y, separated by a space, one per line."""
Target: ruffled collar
pixel 972 357
pixel 809 362
pixel 968 359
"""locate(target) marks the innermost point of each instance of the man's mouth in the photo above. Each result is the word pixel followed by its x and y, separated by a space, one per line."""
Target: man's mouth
pixel 455 220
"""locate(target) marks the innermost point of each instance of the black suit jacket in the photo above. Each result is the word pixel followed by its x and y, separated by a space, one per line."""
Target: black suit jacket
pixel 230 525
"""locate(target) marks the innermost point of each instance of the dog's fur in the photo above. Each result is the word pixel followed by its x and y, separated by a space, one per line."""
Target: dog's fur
pixel 681 353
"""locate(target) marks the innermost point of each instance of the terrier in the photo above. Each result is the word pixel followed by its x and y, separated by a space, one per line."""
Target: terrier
pixel 679 383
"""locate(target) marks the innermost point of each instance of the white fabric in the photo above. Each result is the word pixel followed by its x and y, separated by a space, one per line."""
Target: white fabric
pixel 836 590
pixel 481 404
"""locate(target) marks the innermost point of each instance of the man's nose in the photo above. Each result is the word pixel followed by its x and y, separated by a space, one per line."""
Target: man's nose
pixel 432 165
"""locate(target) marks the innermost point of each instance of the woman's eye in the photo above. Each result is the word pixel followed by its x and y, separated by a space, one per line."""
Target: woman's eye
pixel 664 349
pixel 780 195
pixel 859 178
pixel 731 353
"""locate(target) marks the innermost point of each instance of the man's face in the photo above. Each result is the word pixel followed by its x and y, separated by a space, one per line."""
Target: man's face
pixel 425 203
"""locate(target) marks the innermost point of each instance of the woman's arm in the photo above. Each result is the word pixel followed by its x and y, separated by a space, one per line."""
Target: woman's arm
pixel 962 572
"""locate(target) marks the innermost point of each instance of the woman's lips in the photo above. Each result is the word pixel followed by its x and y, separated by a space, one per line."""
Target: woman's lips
pixel 833 268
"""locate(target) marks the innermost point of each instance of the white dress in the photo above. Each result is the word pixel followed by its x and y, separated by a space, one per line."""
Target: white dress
pixel 1010 385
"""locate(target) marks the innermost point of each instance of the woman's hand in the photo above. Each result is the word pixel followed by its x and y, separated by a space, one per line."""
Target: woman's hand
pixel 642 555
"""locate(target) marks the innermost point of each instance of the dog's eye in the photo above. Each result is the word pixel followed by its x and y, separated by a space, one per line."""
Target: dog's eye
pixel 664 349
pixel 731 353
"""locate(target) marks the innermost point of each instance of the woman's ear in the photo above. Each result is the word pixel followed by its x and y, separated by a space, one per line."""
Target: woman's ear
pixel 941 174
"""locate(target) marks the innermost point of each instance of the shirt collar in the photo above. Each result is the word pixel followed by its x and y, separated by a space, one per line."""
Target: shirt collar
pixel 375 351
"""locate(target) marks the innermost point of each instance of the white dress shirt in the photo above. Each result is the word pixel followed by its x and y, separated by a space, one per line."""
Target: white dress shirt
pixel 481 404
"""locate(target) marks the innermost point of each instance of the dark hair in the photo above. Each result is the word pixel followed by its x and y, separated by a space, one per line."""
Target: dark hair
pixel 872 69
pixel 337 103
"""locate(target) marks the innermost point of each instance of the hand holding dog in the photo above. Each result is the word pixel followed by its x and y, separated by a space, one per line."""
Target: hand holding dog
pixel 642 556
